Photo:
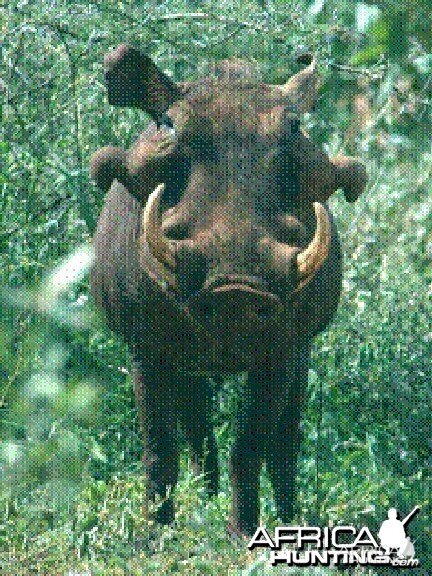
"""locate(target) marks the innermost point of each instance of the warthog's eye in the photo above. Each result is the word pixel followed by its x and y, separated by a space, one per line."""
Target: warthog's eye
pixel 288 142
pixel 290 131
pixel 295 126
pixel 292 128
pixel 166 122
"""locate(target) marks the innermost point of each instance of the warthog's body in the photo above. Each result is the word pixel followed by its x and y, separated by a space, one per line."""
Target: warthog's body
pixel 237 270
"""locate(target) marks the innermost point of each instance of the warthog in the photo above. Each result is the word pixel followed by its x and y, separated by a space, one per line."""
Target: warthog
pixel 215 254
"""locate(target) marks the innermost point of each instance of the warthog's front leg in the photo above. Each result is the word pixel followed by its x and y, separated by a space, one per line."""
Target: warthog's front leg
pixel 284 438
pixel 268 427
pixel 250 430
pixel 195 415
pixel 157 406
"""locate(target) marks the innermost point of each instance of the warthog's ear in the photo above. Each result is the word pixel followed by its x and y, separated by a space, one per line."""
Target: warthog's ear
pixel 320 176
pixel 149 162
pixel 302 88
pixel 326 175
pixel 132 79
pixel 107 164
pixel 350 175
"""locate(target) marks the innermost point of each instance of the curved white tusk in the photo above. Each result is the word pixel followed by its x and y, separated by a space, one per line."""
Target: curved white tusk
pixel 310 260
pixel 160 246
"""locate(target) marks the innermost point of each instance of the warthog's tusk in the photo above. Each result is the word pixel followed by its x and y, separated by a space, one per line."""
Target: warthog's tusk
pixel 310 260
pixel 160 246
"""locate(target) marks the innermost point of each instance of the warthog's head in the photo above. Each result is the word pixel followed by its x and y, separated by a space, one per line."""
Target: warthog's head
pixel 232 189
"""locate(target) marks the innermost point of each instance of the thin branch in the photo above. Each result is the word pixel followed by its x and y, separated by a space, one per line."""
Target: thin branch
pixel 209 16
pixel 225 38
pixel 184 16
pixel 148 21
pixel 374 73
pixel 54 25
pixel 61 29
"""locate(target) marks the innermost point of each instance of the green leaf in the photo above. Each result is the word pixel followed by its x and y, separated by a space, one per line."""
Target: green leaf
pixel 365 16
pixel 423 63
pixel 316 7
pixel 369 55
pixel 97 452
pixel 380 31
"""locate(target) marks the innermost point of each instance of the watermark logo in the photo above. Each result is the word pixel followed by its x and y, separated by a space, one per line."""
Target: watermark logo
pixel 341 545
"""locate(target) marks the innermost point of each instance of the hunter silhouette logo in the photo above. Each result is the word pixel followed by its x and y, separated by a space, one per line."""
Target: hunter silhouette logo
pixel 393 536
pixel 341 545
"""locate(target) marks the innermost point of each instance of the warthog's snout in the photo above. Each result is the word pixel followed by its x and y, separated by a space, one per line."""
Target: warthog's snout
pixel 237 308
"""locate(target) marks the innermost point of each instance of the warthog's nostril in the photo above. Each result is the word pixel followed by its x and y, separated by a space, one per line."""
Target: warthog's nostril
pixel 264 312
pixel 207 310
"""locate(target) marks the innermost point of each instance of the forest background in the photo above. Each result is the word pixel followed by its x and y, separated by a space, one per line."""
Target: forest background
pixel 71 486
